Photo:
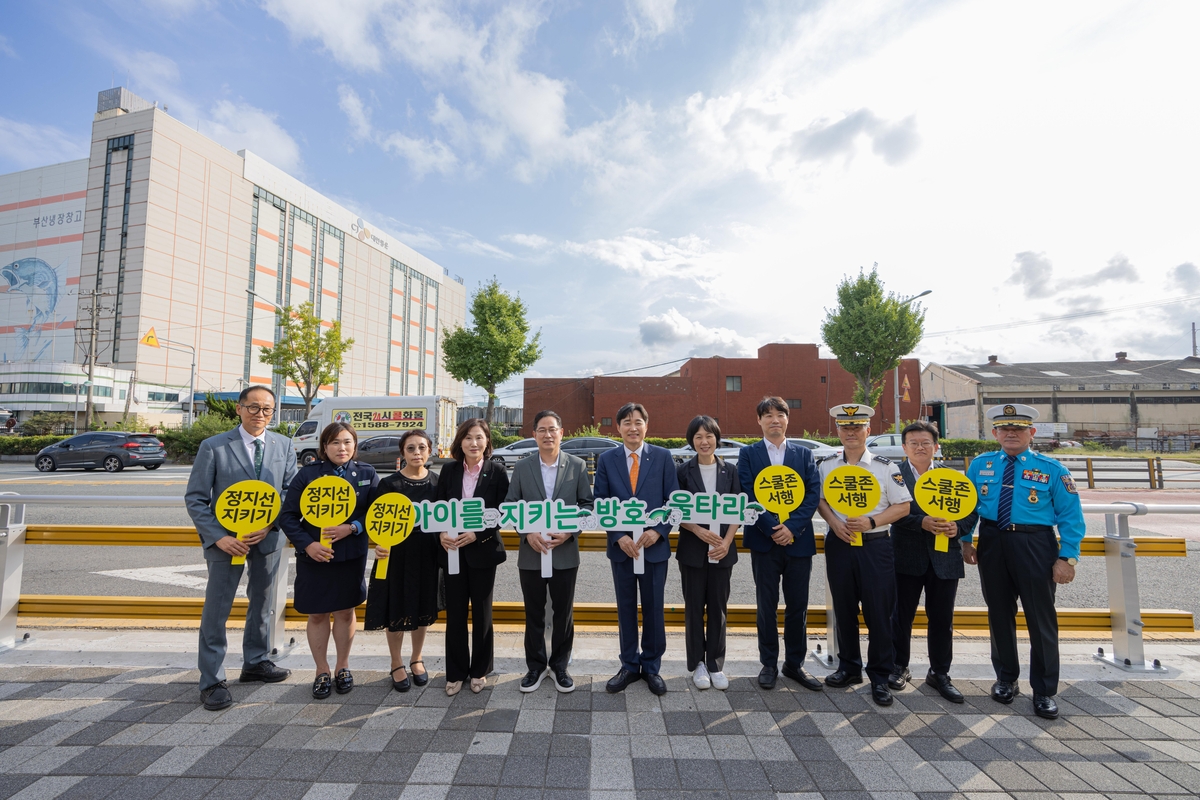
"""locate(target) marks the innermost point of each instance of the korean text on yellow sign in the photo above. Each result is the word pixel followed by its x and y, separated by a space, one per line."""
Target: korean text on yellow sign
pixel 327 501
pixel 945 494
pixel 853 491
pixel 390 520
pixel 246 507
pixel 780 490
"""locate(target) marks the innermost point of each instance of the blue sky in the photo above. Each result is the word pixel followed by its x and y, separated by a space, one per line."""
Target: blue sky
pixel 664 178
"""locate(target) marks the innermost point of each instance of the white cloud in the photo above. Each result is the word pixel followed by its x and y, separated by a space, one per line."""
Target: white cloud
pixel 347 32
pixel 423 155
pixel 530 240
pixel 27 146
pixel 6 48
pixel 672 330
pixel 646 20
pixel 242 126
pixel 637 252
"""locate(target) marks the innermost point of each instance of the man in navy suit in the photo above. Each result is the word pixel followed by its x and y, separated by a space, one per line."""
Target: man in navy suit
pixel 648 473
pixel 781 551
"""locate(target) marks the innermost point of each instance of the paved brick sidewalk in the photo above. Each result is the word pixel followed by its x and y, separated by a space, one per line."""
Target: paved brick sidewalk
pixel 78 732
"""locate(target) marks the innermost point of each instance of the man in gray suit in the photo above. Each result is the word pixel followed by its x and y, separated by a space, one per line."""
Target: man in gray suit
pixel 553 475
pixel 248 452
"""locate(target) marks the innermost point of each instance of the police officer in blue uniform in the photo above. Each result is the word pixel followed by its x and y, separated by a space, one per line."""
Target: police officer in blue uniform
pixel 1023 496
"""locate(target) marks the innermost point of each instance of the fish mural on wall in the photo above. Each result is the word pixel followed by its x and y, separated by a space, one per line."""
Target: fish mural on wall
pixel 39 282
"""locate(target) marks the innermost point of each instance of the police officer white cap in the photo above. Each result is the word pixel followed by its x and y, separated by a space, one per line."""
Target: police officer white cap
pixel 1012 415
pixel 851 414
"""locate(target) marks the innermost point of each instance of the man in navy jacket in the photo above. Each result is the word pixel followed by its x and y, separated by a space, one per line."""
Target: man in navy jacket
pixel 642 471
pixel 781 551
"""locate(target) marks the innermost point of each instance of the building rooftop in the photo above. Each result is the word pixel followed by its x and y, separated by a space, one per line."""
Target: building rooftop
pixel 1179 373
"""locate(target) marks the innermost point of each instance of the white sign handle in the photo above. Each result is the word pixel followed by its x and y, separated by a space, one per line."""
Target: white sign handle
pixel 639 563
pixel 714 527
pixel 452 557
pixel 547 558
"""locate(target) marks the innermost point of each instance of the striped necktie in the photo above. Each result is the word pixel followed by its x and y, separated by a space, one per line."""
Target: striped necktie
pixel 340 472
pixel 258 458
pixel 1004 511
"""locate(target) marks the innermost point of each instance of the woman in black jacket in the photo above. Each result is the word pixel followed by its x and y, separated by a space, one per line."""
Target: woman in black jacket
pixel 471 474
pixel 706 559
pixel 330 579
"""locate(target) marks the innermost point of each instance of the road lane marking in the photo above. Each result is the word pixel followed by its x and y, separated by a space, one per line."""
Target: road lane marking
pixel 173 576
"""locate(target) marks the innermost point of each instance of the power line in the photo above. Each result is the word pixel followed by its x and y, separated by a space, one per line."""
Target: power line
pixel 1076 315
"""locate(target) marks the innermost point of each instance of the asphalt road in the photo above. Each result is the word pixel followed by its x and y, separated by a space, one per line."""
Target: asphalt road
pixel 179 571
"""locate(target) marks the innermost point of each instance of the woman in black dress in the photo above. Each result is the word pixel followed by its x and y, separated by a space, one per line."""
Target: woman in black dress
pixel 407 599
pixel 330 580
pixel 471 474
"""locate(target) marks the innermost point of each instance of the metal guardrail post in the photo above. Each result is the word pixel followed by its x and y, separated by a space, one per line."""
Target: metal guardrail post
pixel 826 659
pixel 1124 602
pixel 1091 475
pixel 1158 468
pixel 278 608
pixel 12 563
pixel 1150 470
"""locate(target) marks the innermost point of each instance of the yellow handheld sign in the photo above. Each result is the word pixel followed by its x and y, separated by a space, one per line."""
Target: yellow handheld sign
pixel 246 507
pixel 327 501
pixel 945 494
pixel 390 520
pixel 853 491
pixel 780 490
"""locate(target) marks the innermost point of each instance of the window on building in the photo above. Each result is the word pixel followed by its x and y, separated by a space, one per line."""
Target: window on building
pixel 606 420
pixel 822 379
pixel 733 383
pixel 122 397
pixel 793 403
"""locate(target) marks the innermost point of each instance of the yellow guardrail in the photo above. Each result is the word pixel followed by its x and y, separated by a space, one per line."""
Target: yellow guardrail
pixel 589 541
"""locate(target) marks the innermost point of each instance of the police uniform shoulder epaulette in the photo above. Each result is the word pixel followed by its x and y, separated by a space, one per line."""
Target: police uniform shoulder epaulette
pixel 882 460
pixel 823 459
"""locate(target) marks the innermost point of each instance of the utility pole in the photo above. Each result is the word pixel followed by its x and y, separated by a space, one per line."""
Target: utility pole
pixel 94 310
pixel 1194 353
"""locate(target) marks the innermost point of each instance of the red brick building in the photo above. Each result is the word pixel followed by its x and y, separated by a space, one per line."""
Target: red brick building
pixel 725 388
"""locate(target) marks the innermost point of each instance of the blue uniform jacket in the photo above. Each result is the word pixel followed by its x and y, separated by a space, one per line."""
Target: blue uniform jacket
pixel 301 533
pixel 656 480
pixel 1044 494
pixel 753 460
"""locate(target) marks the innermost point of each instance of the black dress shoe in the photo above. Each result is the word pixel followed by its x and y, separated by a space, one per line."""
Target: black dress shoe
pixel 264 671
pixel 532 680
pixel 842 679
pixel 899 678
pixel 419 680
pixel 563 681
pixel 801 677
pixel 322 686
pixel 1004 691
pixel 400 686
pixel 767 677
pixel 657 685
pixel 623 678
pixel 343 682
pixel 944 687
pixel 216 697
pixel 1044 706
pixel 880 694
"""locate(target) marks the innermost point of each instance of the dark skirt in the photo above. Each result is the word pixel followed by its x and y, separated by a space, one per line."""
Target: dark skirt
pixel 322 588
pixel 413 592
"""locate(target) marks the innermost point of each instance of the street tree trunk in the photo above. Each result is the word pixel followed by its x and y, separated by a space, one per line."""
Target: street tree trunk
pixel 490 414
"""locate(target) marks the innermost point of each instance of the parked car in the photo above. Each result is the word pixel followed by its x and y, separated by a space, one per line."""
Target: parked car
pixel 728 450
pixel 111 450
pixel 586 446
pixel 510 454
pixel 381 452
pixel 888 445
pixel 819 450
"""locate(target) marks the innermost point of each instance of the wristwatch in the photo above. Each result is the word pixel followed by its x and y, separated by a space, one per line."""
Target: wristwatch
pixel 1071 561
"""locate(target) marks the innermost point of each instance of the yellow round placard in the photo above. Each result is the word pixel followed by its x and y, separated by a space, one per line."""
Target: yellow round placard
pixel 780 490
pixel 327 501
pixel 945 494
pixel 390 519
pixel 247 506
pixel 852 491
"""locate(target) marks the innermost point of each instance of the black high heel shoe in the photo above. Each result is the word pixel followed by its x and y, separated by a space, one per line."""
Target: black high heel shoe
pixel 400 686
pixel 419 680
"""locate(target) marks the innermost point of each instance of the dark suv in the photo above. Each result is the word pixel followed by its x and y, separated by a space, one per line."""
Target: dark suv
pixel 111 450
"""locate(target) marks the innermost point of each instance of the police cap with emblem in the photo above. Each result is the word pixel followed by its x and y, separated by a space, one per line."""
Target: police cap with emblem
pixel 852 414
pixel 1012 415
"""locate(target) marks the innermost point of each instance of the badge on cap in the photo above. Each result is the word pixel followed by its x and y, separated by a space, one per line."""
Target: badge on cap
pixel 852 414
pixel 1012 415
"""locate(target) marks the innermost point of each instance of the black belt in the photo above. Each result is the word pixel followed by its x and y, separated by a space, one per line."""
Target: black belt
pixel 871 536
pixel 987 523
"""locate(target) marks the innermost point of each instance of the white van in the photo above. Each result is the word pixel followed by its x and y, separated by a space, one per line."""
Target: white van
pixel 379 416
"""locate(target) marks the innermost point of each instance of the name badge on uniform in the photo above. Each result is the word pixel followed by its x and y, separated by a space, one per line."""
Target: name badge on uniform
pixel 991 473
pixel 367 482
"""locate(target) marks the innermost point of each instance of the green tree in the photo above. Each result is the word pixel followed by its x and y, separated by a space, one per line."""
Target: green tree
pixel 869 332
pixel 220 406
pixel 497 347
pixel 304 354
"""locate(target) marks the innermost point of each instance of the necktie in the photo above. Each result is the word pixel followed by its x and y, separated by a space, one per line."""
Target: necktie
pixel 258 456
pixel 340 472
pixel 633 472
pixel 1004 511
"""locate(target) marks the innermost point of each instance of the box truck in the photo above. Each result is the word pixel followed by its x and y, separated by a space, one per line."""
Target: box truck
pixel 372 417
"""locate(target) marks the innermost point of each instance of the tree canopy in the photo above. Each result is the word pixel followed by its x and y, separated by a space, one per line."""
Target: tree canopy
pixel 306 355
pixel 869 332
pixel 497 348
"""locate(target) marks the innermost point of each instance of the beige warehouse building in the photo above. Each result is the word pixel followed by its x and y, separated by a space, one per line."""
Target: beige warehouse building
pixel 161 227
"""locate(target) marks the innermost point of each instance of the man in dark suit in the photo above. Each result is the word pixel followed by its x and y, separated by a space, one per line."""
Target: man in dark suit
pixel 920 567
pixel 781 551
pixel 248 452
pixel 552 475
pixel 648 473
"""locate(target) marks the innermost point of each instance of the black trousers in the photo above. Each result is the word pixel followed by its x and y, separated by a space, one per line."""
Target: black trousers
pixel 650 586
pixel 795 571
pixel 1016 565
pixel 865 575
pixel 471 587
pixel 561 588
pixel 704 588
pixel 939 608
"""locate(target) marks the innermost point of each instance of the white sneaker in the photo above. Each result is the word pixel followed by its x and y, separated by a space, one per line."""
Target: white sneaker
pixel 700 677
pixel 719 681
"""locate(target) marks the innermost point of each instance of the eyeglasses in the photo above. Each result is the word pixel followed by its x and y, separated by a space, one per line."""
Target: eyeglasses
pixel 921 445
pixel 547 431
pixel 265 411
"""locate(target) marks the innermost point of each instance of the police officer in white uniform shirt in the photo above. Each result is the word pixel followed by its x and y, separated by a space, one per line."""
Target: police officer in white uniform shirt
pixel 863 574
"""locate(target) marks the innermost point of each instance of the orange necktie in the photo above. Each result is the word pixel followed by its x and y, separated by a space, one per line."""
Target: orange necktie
pixel 633 472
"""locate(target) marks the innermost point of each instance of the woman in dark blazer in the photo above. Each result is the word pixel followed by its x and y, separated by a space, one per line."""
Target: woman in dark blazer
pixel 706 559
pixel 330 580
pixel 471 474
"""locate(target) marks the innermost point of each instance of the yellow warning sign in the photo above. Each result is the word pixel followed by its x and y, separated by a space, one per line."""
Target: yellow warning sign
pixel 906 384
pixel 905 398
pixel 150 339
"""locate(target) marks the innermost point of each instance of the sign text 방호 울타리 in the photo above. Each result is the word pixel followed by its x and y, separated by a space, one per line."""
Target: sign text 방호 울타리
pixel 383 419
